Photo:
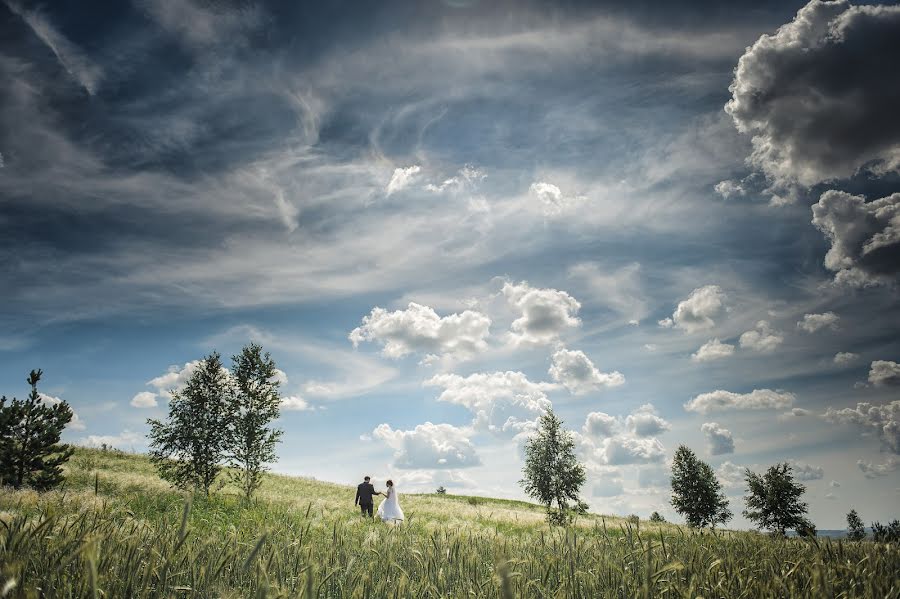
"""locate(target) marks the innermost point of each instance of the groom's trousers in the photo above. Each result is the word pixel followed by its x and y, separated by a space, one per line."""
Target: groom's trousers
pixel 366 509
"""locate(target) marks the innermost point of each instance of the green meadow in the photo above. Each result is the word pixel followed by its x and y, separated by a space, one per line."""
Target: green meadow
pixel 116 530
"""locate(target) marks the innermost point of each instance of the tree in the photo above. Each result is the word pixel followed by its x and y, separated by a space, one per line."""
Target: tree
pixel 255 404
pixel 696 492
pixel 552 473
pixel 656 517
pixel 30 451
pixel 189 447
pixel 774 500
pixel 886 534
pixel 441 490
pixel 856 531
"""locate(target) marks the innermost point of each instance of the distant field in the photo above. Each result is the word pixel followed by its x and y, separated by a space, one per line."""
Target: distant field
pixel 117 530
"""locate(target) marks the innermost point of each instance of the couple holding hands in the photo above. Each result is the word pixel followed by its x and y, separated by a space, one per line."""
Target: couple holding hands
pixel 388 510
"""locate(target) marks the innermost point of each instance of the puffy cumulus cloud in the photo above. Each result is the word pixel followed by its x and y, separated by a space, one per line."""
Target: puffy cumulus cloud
pixel 646 422
pixel 402 178
pixel 501 402
pixel 762 339
pixel 553 201
pixel 295 403
pixel 814 322
pixel 730 189
pixel 545 313
pixel 144 399
pixel 807 472
pixel 883 373
pixel 698 311
pixel 599 425
pixel 758 399
pixel 174 379
pixel 418 328
pixel 718 438
pixel 794 413
pixel 429 446
pixel 871 470
pixel 127 439
pixel 712 350
pixel 882 420
pixel 623 449
pixel 578 374
pixel 845 357
pixel 817 97
pixel 864 236
pixel 76 424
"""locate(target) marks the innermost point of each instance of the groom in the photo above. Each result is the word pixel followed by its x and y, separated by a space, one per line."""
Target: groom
pixel 364 493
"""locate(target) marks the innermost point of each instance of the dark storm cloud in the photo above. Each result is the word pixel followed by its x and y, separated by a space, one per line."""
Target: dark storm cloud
pixel 820 95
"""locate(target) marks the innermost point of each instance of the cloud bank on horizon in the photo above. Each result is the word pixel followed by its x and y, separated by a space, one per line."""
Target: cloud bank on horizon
pixel 444 220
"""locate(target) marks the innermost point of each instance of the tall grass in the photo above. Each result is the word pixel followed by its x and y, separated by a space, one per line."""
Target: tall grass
pixel 133 537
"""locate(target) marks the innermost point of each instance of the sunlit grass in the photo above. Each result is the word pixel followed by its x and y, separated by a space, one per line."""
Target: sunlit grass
pixel 301 537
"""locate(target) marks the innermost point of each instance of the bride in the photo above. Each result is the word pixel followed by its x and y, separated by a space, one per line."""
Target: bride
pixel 389 510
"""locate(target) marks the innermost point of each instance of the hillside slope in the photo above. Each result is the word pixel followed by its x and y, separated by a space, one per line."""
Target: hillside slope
pixel 117 530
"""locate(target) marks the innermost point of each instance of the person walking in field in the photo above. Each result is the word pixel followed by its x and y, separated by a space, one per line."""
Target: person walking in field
pixel 389 510
pixel 364 494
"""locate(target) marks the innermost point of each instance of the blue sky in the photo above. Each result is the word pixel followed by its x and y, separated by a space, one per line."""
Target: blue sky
pixel 676 223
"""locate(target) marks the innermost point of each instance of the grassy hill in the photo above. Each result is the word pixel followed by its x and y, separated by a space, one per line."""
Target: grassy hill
pixel 117 530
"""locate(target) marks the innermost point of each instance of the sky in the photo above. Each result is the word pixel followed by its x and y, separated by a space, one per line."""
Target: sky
pixel 672 222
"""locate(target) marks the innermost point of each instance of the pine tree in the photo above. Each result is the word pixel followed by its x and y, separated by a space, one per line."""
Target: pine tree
pixel 856 530
pixel 255 404
pixel 552 472
pixel 774 502
pixel 696 492
pixel 30 452
pixel 188 449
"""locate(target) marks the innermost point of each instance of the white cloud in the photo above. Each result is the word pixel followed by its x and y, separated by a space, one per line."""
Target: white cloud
pixel 845 357
pixel 864 236
pixel 76 423
pixel 295 403
pixel 763 338
pixel 600 425
pixel 545 313
pixel 401 178
pixel 718 438
pixel 427 481
pixel 884 373
pixel 144 399
pixel 834 484
pixel 467 177
pixel 608 484
pixel 712 350
pixel 623 449
pixel 758 399
pixel 794 413
pixel 883 420
pixel 578 374
pixel 553 201
pixel 698 311
pixel 618 289
pixel 125 440
pixel 806 472
pixel 831 496
pixel 501 402
pixel 814 322
pixel 429 446
pixel 730 188
pixel 871 470
pixel 805 92
pixel 645 422
pixel 418 328
pixel 731 475
pixel 174 379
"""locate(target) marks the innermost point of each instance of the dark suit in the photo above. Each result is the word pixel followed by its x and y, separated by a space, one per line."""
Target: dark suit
pixel 364 494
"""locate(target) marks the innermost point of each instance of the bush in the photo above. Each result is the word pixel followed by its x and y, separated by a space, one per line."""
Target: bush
pixel 656 517
pixel 441 490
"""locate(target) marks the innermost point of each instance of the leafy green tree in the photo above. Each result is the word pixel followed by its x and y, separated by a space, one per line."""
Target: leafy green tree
pixel 696 492
pixel 773 500
pixel 856 530
pixel 255 404
pixel 889 533
pixel 552 473
pixel 441 490
pixel 30 452
pixel 189 448
pixel 656 517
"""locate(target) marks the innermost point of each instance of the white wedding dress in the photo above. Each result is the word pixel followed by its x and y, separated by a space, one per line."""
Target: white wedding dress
pixel 389 510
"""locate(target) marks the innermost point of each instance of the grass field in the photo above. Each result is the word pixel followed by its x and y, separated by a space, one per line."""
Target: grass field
pixel 116 530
